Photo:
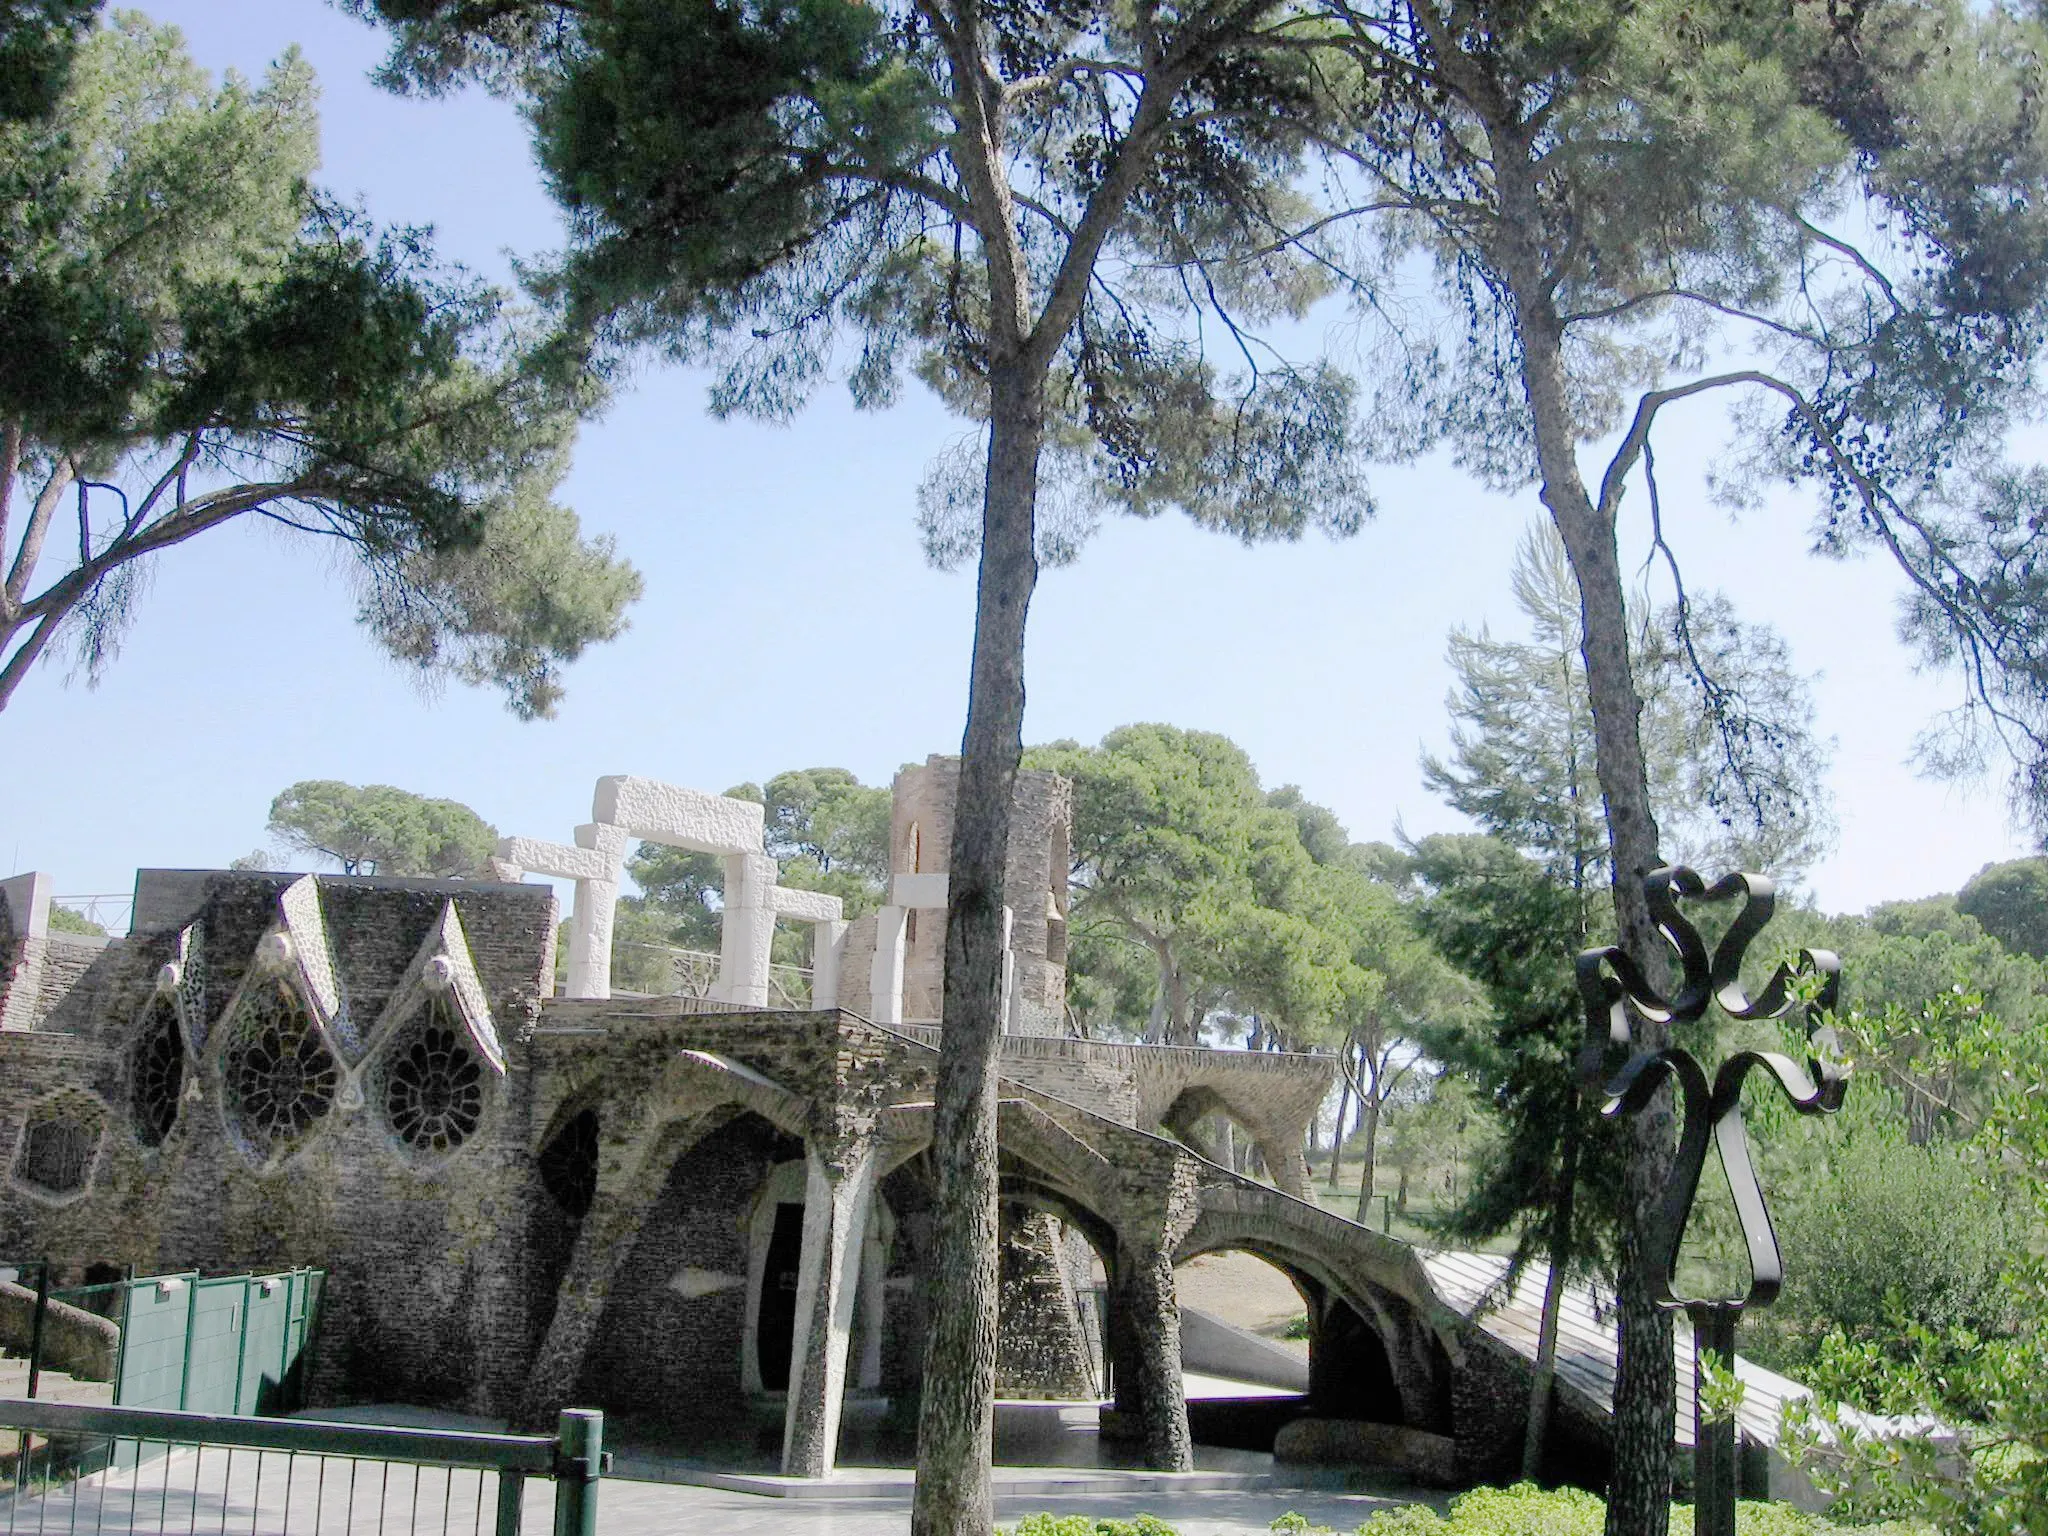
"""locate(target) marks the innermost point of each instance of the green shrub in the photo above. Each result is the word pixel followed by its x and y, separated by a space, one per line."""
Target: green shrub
pixel 1523 1510
pixel 1087 1525
pixel 1526 1510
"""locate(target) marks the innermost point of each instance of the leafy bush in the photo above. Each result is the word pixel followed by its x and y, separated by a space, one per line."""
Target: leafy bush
pixel 1087 1525
pixel 1902 1251
pixel 1523 1510
pixel 1526 1510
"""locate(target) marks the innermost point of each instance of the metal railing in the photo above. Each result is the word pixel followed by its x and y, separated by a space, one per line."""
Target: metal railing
pixel 694 973
pixel 128 1471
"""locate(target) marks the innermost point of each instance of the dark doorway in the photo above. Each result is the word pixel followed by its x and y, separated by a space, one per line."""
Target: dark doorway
pixel 778 1296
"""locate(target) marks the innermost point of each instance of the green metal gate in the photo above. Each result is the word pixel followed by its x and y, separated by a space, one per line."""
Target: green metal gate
pixel 235 1344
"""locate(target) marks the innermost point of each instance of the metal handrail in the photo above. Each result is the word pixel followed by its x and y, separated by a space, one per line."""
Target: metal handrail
pixel 573 1457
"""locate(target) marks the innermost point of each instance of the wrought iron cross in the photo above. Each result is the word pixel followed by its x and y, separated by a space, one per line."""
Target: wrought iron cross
pixel 1613 988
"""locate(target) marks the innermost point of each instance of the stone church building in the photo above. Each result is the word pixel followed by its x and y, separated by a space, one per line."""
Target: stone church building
pixel 705 1212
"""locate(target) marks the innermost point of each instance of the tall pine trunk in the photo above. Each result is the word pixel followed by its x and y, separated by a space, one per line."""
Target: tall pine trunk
pixel 956 1415
pixel 1337 1133
pixel 1639 1497
pixel 1543 1386
pixel 1368 1162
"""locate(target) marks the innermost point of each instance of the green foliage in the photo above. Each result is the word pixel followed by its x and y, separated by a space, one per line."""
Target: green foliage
pixel 1986 1470
pixel 770 189
pixel 38 40
pixel 376 829
pixel 1506 922
pixel 2010 902
pixel 826 832
pixel 1526 1510
pixel 1522 760
pixel 1087 1525
pixel 64 920
pixel 1198 892
pixel 190 332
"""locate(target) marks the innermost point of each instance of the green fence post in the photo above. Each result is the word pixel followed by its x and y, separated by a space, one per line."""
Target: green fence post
pixel 35 1328
pixel 511 1500
pixel 579 1462
pixel 242 1346
pixel 191 1327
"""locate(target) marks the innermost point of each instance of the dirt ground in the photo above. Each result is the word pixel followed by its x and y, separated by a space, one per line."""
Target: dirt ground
pixel 1244 1291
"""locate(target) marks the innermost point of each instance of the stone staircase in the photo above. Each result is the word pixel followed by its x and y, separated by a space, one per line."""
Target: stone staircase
pixel 51 1387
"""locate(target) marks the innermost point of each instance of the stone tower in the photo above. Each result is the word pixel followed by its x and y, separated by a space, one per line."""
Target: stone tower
pixel 1035 882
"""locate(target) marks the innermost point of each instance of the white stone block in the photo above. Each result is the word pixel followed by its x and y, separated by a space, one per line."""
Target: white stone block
pixel 924 892
pixel 885 977
pixel 558 859
pixel 603 838
pixel 28 904
pixel 806 906
pixel 678 817
pixel 590 939
pixel 828 947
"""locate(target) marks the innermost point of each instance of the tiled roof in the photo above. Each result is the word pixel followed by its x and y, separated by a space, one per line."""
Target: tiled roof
pixel 1586 1333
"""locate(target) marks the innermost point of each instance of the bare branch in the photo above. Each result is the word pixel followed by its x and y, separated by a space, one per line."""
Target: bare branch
pixel 38 528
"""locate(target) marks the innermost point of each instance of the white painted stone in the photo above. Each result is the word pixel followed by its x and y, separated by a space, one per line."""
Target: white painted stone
pixel 28 900
pixel 692 1282
pixel 1009 972
pixel 835 1228
pixel 590 939
pixel 28 909
pixel 828 948
pixel 746 929
pixel 678 817
pixel 558 859
pixel 885 979
pixel 924 892
pixel 806 906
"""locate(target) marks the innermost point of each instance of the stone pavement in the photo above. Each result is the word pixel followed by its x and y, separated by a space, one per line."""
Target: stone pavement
pixel 247 1494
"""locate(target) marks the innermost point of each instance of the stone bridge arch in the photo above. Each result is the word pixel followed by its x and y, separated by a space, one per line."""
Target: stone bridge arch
pixel 1272 1096
pixel 644 1123
pixel 1382 1345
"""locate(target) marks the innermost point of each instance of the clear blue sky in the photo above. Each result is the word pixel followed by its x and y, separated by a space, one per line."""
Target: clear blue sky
pixel 790 621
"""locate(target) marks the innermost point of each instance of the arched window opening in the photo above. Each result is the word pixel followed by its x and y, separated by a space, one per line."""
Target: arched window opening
pixel 157 1074
pixel 568 1165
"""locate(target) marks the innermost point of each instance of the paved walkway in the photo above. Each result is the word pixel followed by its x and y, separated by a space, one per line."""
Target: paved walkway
pixel 213 1493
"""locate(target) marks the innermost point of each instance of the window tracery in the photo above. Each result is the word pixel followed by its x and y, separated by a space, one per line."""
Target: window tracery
pixel 280 1076
pixel 157 1075
pixel 434 1088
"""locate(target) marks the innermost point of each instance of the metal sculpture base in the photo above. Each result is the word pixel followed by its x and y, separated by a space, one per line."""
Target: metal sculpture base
pixel 1716 1441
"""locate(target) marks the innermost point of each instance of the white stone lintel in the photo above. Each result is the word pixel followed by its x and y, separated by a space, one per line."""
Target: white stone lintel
pixel 924 892
pixel 806 906
pixel 678 817
pixel 558 859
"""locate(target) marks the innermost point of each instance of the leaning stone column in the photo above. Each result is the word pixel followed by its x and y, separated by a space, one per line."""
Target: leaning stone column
pixel 838 1190
pixel 885 973
pixel 1149 1315
pixel 746 929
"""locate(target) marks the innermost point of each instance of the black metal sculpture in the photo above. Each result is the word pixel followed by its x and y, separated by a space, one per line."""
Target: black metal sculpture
pixel 1613 987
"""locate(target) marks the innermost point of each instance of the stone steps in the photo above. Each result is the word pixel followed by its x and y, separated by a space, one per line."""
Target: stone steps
pixel 51 1387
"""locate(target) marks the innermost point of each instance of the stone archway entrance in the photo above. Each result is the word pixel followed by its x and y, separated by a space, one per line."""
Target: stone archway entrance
pixel 775 1303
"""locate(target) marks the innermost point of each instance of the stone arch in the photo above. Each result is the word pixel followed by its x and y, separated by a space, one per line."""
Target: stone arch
pixel 1069 1335
pixel 1198 1101
pixel 1358 1324
pixel 157 1071
pixel 643 1131
pixel 279 1074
